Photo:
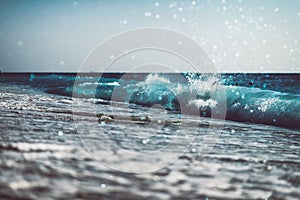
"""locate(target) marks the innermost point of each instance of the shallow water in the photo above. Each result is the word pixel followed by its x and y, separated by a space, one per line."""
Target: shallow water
pixel 42 155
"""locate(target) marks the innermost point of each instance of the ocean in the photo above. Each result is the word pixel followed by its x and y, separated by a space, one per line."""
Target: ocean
pixel 149 136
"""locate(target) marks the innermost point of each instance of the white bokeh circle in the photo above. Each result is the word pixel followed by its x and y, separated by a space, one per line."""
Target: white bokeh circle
pixel 177 48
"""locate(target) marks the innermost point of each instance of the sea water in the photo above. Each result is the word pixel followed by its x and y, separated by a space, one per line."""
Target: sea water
pixel 254 153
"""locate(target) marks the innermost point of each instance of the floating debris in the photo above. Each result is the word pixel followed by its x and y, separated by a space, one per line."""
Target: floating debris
pixel 141 118
pixel 106 118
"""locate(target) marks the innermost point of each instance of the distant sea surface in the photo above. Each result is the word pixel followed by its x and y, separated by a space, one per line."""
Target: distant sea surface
pixel 254 154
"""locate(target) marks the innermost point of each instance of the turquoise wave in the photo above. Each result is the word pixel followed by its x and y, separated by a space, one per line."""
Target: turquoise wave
pixel 194 93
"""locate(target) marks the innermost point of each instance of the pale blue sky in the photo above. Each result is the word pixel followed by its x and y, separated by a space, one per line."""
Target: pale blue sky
pixel 239 35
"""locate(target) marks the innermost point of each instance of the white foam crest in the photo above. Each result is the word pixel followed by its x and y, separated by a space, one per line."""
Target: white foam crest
pixel 97 83
pixel 203 87
pixel 156 78
pixel 203 103
pixel 267 103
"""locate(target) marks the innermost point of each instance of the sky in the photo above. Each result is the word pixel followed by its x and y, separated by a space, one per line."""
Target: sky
pixel 237 35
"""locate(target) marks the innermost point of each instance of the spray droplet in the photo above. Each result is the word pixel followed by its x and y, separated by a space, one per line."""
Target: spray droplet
pixel 123 22
pixel 148 14
pixel 20 43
